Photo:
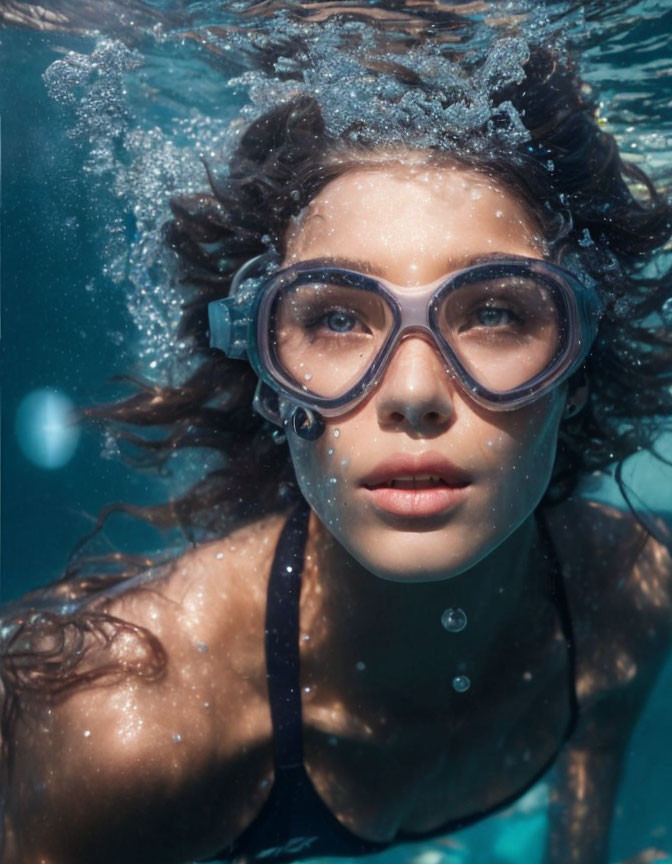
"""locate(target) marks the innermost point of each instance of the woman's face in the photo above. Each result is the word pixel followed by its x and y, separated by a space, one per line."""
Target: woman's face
pixel 414 224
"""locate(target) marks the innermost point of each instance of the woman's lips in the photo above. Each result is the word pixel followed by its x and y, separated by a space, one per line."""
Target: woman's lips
pixel 428 501
pixel 416 484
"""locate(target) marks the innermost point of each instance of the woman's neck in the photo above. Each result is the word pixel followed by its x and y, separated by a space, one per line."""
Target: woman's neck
pixel 344 604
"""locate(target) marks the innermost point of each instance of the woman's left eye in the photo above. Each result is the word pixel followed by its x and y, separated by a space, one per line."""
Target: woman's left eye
pixel 495 316
pixel 339 321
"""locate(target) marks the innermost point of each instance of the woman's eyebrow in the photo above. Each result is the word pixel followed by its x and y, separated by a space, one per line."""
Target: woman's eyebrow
pixel 361 265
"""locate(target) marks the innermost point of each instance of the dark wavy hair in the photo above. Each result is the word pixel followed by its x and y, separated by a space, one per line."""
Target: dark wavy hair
pixel 572 180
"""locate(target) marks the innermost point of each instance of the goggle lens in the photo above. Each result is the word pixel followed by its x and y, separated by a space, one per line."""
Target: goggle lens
pixel 504 328
pixel 326 336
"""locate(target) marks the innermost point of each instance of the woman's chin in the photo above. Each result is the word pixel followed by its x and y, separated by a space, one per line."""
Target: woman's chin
pixel 412 558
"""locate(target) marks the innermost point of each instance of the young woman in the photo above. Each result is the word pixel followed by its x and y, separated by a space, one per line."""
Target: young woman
pixel 413 618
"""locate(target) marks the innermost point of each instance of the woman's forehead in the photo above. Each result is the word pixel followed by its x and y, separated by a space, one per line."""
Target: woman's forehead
pixel 414 213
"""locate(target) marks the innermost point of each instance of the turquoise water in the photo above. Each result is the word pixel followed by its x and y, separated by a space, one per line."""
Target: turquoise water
pixel 88 162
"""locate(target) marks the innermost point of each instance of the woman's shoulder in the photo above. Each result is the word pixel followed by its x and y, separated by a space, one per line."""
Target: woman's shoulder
pixel 204 614
pixel 212 592
pixel 123 737
pixel 596 539
pixel 618 581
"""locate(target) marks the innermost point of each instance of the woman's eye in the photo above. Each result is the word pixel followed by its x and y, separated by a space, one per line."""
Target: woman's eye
pixel 337 320
pixel 495 316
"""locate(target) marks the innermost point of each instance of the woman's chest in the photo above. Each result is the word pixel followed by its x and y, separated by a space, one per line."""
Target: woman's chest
pixel 424 756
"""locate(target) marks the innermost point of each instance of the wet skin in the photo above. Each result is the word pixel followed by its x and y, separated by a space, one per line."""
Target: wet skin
pixel 176 769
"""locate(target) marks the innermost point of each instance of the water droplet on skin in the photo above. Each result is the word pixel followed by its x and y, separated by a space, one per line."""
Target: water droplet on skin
pixel 308 376
pixel 219 556
pixel 461 683
pixel 330 451
pixel 177 738
pixel 337 432
pixel 333 480
pixel 454 620
pixel 87 733
pixel 202 646
pixel 498 214
pixel 345 462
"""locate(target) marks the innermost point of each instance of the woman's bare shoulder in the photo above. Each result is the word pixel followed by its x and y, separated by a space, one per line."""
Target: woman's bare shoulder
pixel 618 579
pixel 124 737
pixel 211 586
pixel 204 613
pixel 596 540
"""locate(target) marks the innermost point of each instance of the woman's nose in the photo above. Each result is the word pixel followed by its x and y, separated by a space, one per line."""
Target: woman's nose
pixel 416 389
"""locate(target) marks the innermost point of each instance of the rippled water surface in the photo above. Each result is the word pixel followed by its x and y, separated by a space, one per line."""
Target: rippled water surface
pixel 108 109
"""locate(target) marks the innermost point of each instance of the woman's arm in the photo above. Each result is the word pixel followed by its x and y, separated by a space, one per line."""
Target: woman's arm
pixel 620 592
pixel 582 804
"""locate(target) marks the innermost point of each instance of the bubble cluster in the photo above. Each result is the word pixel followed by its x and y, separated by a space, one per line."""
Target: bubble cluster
pixel 143 166
pixel 369 93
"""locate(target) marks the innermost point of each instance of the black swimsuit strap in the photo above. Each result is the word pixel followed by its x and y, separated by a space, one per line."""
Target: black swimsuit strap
pixel 559 595
pixel 282 640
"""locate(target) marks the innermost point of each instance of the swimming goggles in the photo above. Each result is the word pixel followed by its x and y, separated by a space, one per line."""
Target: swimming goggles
pixel 508 329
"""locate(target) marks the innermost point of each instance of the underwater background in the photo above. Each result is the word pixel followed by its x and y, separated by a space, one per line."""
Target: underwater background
pixel 105 110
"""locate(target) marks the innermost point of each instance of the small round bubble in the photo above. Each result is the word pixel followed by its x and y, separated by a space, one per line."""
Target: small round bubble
pixel 461 683
pixel 667 312
pixel 454 620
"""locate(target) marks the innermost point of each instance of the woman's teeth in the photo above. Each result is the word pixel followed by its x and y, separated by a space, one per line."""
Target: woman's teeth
pixel 422 482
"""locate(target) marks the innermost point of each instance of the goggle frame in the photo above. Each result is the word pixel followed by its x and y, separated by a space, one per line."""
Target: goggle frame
pixel 239 325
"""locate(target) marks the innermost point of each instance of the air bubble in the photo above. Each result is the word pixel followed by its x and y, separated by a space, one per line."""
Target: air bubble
pixel 454 620
pixel 461 683
pixel 666 311
pixel 585 239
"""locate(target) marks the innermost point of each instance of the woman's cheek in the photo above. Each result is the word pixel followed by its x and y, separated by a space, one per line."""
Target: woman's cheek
pixel 321 472
pixel 520 454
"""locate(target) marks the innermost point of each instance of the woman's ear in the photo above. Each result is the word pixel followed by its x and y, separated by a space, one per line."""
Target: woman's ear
pixel 577 395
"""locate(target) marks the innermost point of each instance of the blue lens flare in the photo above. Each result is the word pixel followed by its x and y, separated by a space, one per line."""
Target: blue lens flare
pixel 47 435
